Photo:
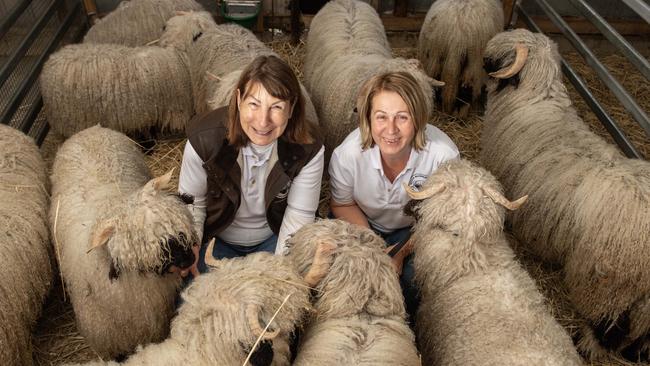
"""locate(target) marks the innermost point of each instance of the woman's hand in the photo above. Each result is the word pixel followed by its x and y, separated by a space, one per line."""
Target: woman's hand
pixel 398 258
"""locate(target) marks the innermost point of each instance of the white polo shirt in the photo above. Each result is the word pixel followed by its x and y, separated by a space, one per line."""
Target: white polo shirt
pixel 357 176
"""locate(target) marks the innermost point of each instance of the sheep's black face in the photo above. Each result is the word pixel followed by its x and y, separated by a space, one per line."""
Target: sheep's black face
pixel 179 254
pixel 492 65
pixel 263 354
pixel 411 209
pixel 615 336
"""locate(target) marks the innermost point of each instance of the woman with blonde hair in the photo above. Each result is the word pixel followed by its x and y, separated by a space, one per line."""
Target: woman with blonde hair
pixel 393 144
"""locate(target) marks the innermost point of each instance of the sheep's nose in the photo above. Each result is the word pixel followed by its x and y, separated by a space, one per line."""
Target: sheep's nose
pixel 182 255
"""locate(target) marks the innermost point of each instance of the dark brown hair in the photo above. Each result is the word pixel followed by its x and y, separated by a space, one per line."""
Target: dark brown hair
pixel 279 81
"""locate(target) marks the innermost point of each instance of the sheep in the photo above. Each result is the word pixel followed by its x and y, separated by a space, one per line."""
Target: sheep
pixel 117 232
pixel 347 45
pixel 217 59
pixel 129 89
pixel 589 205
pixel 182 30
pixel 343 28
pixel 218 322
pixel 451 44
pixel 137 22
pixel 479 306
pixel 24 243
pixel 359 309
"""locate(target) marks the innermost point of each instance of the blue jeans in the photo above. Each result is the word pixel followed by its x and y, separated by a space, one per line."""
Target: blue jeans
pixel 223 250
pixel 406 279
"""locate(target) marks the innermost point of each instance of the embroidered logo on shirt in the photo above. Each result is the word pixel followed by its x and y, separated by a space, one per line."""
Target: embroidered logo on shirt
pixel 416 180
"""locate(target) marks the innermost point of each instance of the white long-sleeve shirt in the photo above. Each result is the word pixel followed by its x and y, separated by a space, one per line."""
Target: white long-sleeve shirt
pixel 250 226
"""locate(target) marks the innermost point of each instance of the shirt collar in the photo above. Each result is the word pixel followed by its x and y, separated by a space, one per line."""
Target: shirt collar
pixel 375 159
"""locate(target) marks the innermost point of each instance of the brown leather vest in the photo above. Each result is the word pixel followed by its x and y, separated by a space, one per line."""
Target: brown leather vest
pixel 207 134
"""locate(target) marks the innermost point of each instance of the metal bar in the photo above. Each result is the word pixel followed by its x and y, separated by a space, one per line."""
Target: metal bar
pixel 619 92
pixel 508 11
pixel 612 35
pixel 28 122
pixel 13 105
pixel 610 124
pixel 40 135
pixel 641 8
pixel 14 59
pixel 91 10
pixel 13 16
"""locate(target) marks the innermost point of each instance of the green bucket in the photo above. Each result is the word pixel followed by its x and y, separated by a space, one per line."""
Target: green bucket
pixel 242 12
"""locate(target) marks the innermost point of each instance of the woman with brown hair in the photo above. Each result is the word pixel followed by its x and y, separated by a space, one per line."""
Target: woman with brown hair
pixel 255 167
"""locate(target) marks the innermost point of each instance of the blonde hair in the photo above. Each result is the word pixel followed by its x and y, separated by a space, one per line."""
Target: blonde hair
pixel 405 85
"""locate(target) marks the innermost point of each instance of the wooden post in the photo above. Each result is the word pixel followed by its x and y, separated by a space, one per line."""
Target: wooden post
pixel 401 8
pixel 91 10
pixel 508 10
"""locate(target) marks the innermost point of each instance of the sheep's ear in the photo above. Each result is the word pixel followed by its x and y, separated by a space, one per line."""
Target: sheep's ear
pixel 101 235
pixel 163 182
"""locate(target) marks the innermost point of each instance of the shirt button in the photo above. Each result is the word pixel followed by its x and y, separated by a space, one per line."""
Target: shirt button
pixel 253 181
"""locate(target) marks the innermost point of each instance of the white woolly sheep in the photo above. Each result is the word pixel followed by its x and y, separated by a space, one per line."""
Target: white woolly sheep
pixel 137 22
pixel 117 233
pixel 24 244
pixel 347 45
pixel 129 89
pixel 343 28
pixel 589 205
pixel 479 306
pixel 451 44
pixel 217 59
pixel 182 30
pixel 224 312
pixel 359 309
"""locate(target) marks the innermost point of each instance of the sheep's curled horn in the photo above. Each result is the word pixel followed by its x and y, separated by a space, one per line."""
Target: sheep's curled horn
pixel 494 195
pixel 252 310
pixel 521 55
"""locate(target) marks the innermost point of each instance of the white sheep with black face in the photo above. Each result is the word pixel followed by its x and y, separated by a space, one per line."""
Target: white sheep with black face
pixel 117 232
pixel 225 311
pixel 359 314
pixel 137 22
pixel 123 87
pixel 24 244
pixel 478 306
pixel 218 57
pixel 451 44
pixel 589 206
